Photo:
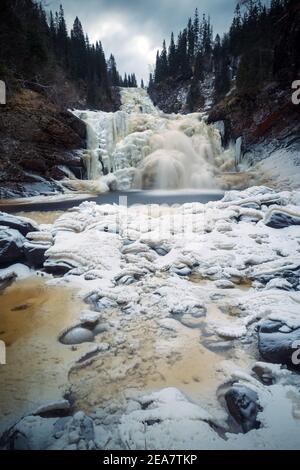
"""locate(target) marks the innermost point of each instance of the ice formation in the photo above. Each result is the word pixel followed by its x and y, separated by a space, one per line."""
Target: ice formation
pixel 145 148
pixel 180 299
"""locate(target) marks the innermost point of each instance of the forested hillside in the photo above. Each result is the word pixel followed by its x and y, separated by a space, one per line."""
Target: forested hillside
pixel 261 46
pixel 38 52
pixel 243 79
pixel 48 70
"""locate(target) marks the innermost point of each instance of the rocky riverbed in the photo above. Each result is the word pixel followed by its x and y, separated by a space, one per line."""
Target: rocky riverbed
pixel 153 327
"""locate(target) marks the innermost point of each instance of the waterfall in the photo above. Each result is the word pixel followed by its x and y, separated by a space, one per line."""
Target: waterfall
pixel 143 148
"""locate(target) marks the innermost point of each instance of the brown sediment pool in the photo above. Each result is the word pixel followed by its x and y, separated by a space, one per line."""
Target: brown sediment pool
pixel 32 315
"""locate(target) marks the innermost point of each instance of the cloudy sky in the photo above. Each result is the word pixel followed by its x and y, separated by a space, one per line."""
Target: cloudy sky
pixel 134 29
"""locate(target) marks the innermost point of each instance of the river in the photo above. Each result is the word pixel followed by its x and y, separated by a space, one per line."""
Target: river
pixel 156 314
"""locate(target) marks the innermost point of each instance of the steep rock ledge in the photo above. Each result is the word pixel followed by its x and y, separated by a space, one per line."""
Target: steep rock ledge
pixel 36 139
pixel 269 116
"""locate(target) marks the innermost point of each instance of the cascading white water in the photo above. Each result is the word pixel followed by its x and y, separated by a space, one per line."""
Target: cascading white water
pixel 140 147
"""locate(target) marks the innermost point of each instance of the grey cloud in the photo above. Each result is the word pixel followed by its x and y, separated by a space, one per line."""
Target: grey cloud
pixel 133 29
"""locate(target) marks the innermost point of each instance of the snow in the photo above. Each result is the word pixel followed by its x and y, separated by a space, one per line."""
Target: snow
pixel 282 166
pixel 20 270
pixel 183 275
pixel 141 147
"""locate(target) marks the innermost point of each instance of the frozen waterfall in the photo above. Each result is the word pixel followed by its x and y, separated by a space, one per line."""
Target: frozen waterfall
pixel 140 147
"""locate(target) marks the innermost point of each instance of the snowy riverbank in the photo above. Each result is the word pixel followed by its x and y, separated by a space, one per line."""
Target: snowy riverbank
pixel 180 301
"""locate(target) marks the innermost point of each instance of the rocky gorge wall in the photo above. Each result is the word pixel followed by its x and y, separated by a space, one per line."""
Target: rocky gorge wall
pixel 39 142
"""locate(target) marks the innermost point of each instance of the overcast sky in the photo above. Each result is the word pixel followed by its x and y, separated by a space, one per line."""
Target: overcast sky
pixel 134 29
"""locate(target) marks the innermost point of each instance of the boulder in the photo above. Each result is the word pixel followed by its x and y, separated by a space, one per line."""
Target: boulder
pixel 287 274
pixel 280 219
pixel 277 343
pixel 77 335
pixel 243 406
pixel 11 246
pixel 22 225
pixel 7 279
pixel 35 254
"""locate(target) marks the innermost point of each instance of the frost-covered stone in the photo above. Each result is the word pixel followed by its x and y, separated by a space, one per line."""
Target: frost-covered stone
pixel 21 224
pixel 243 406
pixel 35 254
pixel 89 317
pixel 278 345
pixel 11 246
pixel 281 218
pixel 77 335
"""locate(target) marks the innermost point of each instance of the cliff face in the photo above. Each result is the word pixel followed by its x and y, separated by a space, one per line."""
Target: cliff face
pixel 176 96
pixel 171 96
pixel 259 113
pixel 268 117
pixel 37 138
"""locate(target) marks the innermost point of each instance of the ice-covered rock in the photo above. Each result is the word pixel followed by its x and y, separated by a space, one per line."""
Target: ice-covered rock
pixel 22 224
pixel 35 254
pixel 77 335
pixel 11 246
pixel 281 218
pixel 243 406
pixel 279 345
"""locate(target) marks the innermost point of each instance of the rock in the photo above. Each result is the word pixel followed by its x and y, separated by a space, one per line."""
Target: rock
pixel 225 284
pixel 36 137
pixel 22 225
pixel 190 321
pixel 182 271
pixel 89 318
pixel 243 406
pixel 277 344
pixel 279 218
pixel 102 436
pixel 279 283
pixel 161 251
pixel 91 445
pixel 81 445
pixel 73 437
pixel 58 268
pixel 218 346
pixel 11 246
pixel 189 306
pixel 7 279
pixel 35 254
pixel 53 408
pixel 84 425
pixel 77 335
pixel 101 328
pixel 19 441
pixel 290 275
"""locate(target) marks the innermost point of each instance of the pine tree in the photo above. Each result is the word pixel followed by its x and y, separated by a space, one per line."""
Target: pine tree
pixel 151 82
pixel 158 74
pixel 112 71
pixel 62 38
pixel 172 66
pixel 164 62
pixel 78 48
pixel 196 29
pixel 191 42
